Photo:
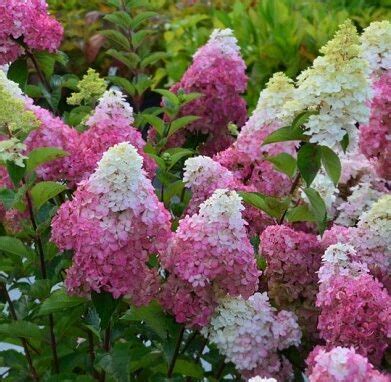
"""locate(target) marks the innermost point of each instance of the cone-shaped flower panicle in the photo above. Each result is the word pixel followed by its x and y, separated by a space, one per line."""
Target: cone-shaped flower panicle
pixel 113 224
pixel 218 73
pixel 26 21
pixel 250 332
pixel 338 87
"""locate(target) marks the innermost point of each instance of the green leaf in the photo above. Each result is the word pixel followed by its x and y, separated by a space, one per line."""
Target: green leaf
pixel 129 59
pixel 42 155
pixel 7 197
pixel 59 301
pixel 120 361
pixel 345 142
pixel 13 246
pixel 78 114
pixel 46 62
pixel 154 318
pixel 141 17
pixel 105 306
pixel 22 329
pixel 308 162
pixel 274 207
pixel 186 98
pixel 171 97
pixel 152 58
pixel 156 122
pixel 116 37
pixel 138 37
pixel 317 207
pixel 331 163
pixel 285 134
pixel 33 91
pixel 180 123
pixel 119 18
pixel 284 163
pixel 18 72
pixel 15 172
pixel 123 83
pixel 179 155
pixel 299 214
pixel 302 118
pixel 44 191
pixel 182 367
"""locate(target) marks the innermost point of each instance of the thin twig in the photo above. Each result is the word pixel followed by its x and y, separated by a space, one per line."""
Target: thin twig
pixel 176 352
pixel 220 370
pixel 41 254
pixel 41 75
pixel 189 341
pixel 25 343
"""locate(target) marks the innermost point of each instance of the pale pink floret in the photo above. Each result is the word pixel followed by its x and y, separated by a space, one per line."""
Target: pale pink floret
pixel 341 364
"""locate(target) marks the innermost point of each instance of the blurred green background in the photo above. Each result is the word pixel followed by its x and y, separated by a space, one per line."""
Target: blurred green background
pixel 274 35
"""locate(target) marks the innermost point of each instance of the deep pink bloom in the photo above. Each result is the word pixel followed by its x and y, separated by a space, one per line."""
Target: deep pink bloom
pixel 355 311
pixel 27 20
pixel 375 140
pixel 113 224
pixel 218 72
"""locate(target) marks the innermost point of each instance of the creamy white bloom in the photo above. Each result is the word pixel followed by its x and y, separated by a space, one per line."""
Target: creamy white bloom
pixel 11 87
pixel 120 177
pixel 11 151
pixel 376 45
pixel 249 332
pixel 203 170
pixel 362 197
pixel 378 221
pixel 260 379
pixel 337 86
pixel 223 204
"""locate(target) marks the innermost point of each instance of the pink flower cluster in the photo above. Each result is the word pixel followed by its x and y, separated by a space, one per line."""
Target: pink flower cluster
pixel 113 224
pixel 250 333
pixel 375 137
pixel 203 176
pixel 209 256
pixel 111 123
pixel 292 258
pixel 218 72
pixel 355 311
pixel 29 21
pixel 341 365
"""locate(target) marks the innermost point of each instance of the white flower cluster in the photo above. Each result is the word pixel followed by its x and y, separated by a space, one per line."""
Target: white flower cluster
pixel 223 205
pixel 260 379
pixel 361 199
pixel 225 40
pixel 11 87
pixel 338 259
pixel 377 221
pixel 278 91
pixel 337 86
pixel 203 171
pixel 112 103
pixel 119 176
pixel 249 332
pixel 376 45
pixel 11 151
